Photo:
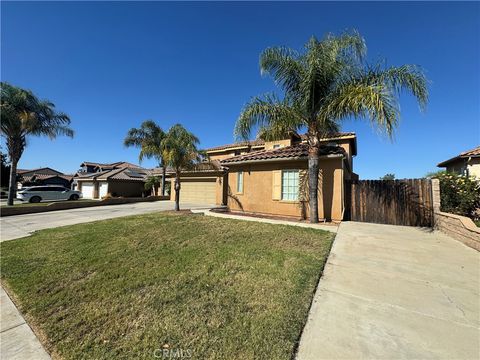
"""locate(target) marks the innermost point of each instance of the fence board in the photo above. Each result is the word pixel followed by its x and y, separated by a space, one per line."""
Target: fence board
pixel 397 202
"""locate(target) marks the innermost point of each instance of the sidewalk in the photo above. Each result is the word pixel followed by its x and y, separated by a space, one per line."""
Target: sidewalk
pixel 17 339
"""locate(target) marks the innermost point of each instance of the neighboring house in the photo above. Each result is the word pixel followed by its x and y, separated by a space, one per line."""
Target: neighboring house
pixel 96 180
pixel 265 177
pixel 43 176
pixel 466 163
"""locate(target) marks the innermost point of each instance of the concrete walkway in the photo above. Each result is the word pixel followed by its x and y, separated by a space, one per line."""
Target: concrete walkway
pixel 208 212
pixel 393 292
pixel 17 340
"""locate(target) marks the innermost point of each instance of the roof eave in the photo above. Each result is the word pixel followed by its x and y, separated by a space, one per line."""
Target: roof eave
pixel 280 159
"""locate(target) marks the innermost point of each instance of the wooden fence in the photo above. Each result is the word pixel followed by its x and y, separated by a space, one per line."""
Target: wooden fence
pixel 397 202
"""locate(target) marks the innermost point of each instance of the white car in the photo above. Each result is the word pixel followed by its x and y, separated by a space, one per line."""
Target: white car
pixel 35 194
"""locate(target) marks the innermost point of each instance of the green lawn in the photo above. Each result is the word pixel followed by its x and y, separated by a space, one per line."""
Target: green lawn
pixel 212 288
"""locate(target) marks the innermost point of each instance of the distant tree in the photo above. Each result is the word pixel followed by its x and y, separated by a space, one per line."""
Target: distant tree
pixel 152 183
pixel 388 177
pixel 24 115
pixel 180 152
pixel 149 139
pixel 324 85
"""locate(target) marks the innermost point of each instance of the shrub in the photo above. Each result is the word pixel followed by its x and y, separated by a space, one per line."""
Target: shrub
pixel 460 195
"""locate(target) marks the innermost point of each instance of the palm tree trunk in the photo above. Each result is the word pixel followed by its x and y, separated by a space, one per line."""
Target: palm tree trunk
pixel 12 185
pixel 313 169
pixel 164 172
pixel 177 191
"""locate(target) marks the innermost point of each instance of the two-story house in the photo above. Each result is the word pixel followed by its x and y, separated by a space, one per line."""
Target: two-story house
pixel 269 178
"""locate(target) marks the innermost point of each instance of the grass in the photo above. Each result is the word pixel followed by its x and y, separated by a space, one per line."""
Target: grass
pixel 123 288
pixel 477 223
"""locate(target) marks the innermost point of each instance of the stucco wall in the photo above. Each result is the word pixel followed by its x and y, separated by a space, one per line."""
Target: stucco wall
pixel 257 189
pixel 474 167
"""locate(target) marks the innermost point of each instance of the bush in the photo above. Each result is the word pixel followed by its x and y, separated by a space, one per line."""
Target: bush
pixel 460 195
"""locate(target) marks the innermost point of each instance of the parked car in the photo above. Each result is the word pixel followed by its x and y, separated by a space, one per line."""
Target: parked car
pixel 35 194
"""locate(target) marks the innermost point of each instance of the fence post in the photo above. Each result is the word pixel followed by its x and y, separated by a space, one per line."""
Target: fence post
pixel 435 199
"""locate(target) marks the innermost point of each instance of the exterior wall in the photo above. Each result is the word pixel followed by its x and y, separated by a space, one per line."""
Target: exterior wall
pixel 457 167
pixel 258 186
pixel 474 167
pixel 462 166
pixel 126 188
pixel 270 144
pixel 221 156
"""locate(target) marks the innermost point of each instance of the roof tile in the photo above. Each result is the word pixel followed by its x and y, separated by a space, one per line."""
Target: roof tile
pixel 299 151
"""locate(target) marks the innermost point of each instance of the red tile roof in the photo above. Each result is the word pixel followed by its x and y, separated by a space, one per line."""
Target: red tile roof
pixel 260 142
pixel 299 151
pixel 466 154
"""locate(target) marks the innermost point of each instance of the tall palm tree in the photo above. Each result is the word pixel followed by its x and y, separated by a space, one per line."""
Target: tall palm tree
pixel 24 115
pixel 323 85
pixel 149 139
pixel 181 153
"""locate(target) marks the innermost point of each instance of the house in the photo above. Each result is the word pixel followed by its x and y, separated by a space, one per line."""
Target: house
pixel 43 176
pixel 265 177
pixel 466 163
pixel 96 180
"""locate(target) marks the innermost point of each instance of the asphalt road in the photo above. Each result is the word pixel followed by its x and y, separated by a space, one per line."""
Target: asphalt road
pixel 12 227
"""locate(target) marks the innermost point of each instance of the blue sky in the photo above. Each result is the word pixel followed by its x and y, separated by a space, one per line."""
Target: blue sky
pixel 111 65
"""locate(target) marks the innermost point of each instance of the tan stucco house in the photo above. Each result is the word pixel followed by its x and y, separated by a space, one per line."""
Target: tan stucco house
pixel 466 163
pixel 265 177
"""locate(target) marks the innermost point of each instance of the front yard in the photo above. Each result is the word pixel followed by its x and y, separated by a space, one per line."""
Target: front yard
pixel 165 284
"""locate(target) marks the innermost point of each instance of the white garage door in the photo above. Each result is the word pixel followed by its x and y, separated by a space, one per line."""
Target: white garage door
pixel 103 189
pixel 198 191
pixel 87 190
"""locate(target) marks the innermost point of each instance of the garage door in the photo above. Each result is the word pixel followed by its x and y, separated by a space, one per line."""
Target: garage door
pixel 103 189
pixel 198 191
pixel 87 190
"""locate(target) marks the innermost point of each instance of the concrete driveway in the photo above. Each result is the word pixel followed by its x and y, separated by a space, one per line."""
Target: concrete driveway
pixel 394 292
pixel 12 227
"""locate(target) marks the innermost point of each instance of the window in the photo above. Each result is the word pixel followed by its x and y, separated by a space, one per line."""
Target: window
pixel 276 146
pixel 290 185
pixel 240 182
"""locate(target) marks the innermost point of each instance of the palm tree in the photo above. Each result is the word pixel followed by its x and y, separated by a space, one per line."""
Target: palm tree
pixel 181 153
pixel 149 139
pixel 151 183
pixel 324 85
pixel 24 115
